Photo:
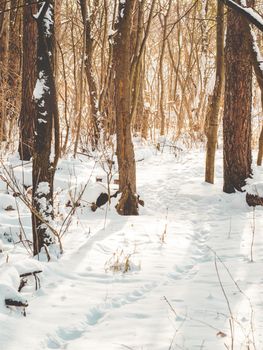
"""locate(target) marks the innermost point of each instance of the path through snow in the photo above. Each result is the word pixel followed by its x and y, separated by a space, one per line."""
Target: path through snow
pixel 172 298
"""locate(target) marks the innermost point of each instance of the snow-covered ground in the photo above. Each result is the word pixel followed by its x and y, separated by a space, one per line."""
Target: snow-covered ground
pixel 190 282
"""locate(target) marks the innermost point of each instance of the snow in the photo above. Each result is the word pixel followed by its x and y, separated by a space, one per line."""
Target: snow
pixel 146 282
pixel 48 21
pixel 7 202
pixel 111 32
pixel 256 49
pixel 36 16
pixel 41 121
pixel 9 283
pixel 249 10
pixel 254 14
pixel 122 13
pixel 40 87
pixel 43 188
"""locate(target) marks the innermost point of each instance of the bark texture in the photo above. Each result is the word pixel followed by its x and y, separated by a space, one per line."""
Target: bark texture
pixel 4 54
pixel 14 64
pixel 237 107
pixel 29 76
pixel 46 115
pixel 128 204
pixel 256 60
pixel 89 70
pixel 215 99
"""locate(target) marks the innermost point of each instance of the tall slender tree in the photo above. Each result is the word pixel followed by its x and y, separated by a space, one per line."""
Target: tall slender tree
pixel 238 103
pixel 29 76
pixel 89 69
pixel 46 119
pixel 212 117
pixel 161 63
pixel 4 54
pixel 128 204
pixel 14 60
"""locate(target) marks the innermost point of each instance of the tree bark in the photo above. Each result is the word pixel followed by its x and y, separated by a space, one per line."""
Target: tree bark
pixel 252 17
pixel 161 68
pixel 29 76
pixel 14 61
pixel 46 116
pixel 215 99
pixel 88 64
pixel 238 103
pixel 257 61
pixel 4 53
pixel 137 76
pixel 128 204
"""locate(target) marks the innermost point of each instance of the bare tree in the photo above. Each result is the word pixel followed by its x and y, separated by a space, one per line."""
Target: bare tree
pixel 14 61
pixel 89 69
pixel 46 116
pixel 29 77
pixel 128 204
pixel 4 54
pixel 215 99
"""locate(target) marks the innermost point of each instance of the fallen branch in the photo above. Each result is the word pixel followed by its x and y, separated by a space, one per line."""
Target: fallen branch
pixel 253 200
pixel 24 281
pixel 17 303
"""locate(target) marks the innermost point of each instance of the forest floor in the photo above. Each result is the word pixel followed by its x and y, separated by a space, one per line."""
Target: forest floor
pixel 190 282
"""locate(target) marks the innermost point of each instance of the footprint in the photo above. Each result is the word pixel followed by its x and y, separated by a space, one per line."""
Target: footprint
pixel 94 316
pixel 184 273
pixel 53 343
pixel 69 334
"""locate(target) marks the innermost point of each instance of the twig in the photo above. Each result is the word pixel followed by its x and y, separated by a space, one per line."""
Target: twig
pixel 241 292
pixel 253 228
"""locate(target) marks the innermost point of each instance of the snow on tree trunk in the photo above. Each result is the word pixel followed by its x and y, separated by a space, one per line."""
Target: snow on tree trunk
pixel 46 112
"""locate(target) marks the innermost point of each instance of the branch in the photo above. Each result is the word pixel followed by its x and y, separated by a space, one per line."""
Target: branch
pixel 181 17
pixel 18 303
pixel 21 6
pixel 250 14
pixel 42 11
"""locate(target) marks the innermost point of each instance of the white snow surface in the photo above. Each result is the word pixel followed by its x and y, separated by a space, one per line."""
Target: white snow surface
pixel 40 87
pixel 170 297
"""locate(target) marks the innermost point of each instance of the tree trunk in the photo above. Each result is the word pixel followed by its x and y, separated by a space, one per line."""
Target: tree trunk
pixel 46 115
pixel 88 64
pixel 139 37
pixel 237 107
pixel 256 61
pixel 128 204
pixel 260 142
pixel 215 99
pixel 29 76
pixel 252 16
pixel 4 49
pixel 137 73
pixel 14 61
pixel 161 68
